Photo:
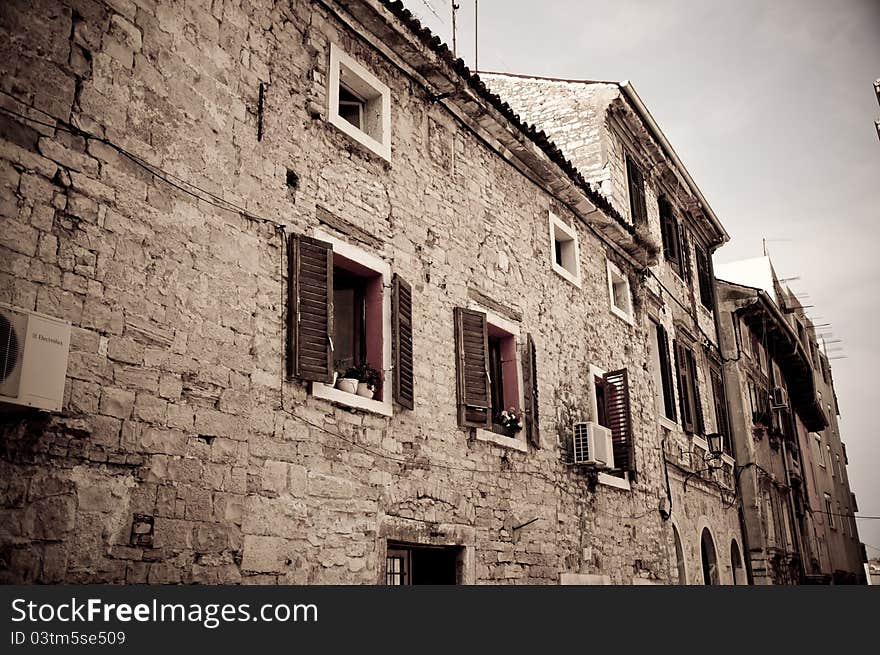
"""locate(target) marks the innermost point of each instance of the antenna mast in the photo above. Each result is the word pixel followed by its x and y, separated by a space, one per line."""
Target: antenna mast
pixel 455 8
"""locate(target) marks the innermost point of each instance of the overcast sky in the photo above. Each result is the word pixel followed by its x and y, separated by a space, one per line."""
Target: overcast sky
pixel 770 105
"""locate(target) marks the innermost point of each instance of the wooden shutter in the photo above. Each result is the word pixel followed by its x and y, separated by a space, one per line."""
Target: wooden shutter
pixel 472 368
pixel 530 392
pixel 699 426
pixel 638 211
pixel 668 389
pixel 705 276
pixel 684 398
pixel 722 424
pixel 619 418
pixel 669 231
pixel 685 263
pixel 402 346
pixel 310 315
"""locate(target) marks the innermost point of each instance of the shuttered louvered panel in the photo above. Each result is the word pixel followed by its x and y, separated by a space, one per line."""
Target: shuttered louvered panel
pixel 472 362
pixel 638 210
pixel 530 392
pixel 685 263
pixel 684 388
pixel 699 425
pixel 619 418
pixel 402 333
pixel 311 309
pixel 666 373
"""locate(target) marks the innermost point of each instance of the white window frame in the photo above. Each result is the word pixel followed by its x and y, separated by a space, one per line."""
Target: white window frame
pixel 518 441
pixel 385 406
pixel 604 478
pixel 817 443
pixel 555 223
pixel 342 67
pixel 614 272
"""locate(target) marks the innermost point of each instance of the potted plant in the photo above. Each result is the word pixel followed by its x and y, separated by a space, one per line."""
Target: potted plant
pixel 348 381
pixel 510 420
pixel 368 379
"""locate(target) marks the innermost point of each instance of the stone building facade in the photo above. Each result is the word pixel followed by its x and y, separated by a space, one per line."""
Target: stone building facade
pixel 798 509
pixel 231 203
pixel 609 135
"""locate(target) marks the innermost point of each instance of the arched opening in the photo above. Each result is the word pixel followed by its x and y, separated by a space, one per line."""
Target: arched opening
pixel 736 564
pixel 679 557
pixel 710 560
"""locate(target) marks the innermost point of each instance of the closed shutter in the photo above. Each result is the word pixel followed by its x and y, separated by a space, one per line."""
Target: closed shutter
pixel 705 278
pixel 619 418
pixel 402 345
pixel 637 207
pixel 685 263
pixel 310 315
pixel 472 368
pixel 722 424
pixel 530 392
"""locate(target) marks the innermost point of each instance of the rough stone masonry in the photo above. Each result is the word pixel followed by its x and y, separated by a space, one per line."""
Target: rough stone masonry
pixel 182 453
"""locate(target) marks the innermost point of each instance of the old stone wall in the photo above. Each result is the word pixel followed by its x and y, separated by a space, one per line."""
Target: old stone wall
pixel 180 456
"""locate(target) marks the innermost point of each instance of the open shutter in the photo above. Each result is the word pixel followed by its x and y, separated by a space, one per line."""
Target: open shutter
pixel 619 418
pixel 699 426
pixel 681 368
pixel 666 373
pixel 638 210
pixel 530 392
pixel 401 330
pixel 472 368
pixel 310 317
pixel 685 263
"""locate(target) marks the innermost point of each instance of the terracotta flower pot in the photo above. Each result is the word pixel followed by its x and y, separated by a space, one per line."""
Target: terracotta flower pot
pixel 349 385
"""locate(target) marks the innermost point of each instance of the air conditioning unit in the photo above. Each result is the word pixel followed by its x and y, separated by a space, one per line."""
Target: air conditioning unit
pixel 780 397
pixel 33 359
pixel 592 444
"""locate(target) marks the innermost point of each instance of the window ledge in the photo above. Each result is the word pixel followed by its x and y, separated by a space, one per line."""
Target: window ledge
pixel 727 459
pixel 566 274
pixel 667 423
pixel 619 313
pixel 499 440
pixel 334 395
pixel 614 481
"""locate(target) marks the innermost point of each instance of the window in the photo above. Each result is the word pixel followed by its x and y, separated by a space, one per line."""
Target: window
pixel 612 410
pixel 618 291
pixel 663 372
pixel 719 402
pixel 671 236
pixel 636 185
pixel 820 452
pixel 829 512
pixel 359 104
pixel 488 374
pixel 769 517
pixel 564 251
pixel 709 559
pixel 413 564
pixel 745 334
pixel 340 316
pixel 688 392
pixel 704 274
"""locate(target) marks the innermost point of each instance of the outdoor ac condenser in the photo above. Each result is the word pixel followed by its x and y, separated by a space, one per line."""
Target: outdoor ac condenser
pixel 33 359
pixel 592 444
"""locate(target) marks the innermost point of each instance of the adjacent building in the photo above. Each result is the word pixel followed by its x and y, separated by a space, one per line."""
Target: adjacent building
pixel 798 509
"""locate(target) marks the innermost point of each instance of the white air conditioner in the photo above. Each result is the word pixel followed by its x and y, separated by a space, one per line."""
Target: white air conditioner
pixel 780 397
pixel 33 359
pixel 592 444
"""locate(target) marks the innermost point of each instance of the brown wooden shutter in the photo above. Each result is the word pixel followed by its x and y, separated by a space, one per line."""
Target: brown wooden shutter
pixel 402 346
pixel 530 392
pixel 638 210
pixel 684 398
pixel 720 398
pixel 472 368
pixel 699 426
pixel 310 315
pixel 619 418
pixel 686 271
pixel 668 389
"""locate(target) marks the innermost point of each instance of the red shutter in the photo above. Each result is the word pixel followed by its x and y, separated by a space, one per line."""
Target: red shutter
pixel 310 314
pixel 402 333
pixel 472 368
pixel 530 392
pixel 619 418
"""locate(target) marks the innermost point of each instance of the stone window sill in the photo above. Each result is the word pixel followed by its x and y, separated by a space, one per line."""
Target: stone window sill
pixel 326 392
pixel 614 481
pixel 500 440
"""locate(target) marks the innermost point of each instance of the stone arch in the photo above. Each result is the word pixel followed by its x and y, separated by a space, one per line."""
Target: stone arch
pixel 709 558
pixel 680 559
pixel 737 570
